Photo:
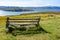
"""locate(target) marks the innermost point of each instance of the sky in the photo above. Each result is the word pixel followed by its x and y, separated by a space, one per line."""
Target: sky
pixel 29 3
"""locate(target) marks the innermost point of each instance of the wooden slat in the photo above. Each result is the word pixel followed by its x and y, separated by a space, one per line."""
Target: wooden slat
pixel 23 20
pixel 22 23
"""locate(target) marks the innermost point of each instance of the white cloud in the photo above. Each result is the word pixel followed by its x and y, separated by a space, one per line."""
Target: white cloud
pixel 23 3
pixel 28 2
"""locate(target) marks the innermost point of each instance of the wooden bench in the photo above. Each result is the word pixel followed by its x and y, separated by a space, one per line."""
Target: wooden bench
pixel 22 22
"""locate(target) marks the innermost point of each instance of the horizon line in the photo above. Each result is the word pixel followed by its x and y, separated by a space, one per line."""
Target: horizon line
pixel 34 6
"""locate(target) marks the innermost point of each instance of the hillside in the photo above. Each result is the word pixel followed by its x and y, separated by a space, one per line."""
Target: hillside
pixel 42 15
pixel 51 25
pixel 38 14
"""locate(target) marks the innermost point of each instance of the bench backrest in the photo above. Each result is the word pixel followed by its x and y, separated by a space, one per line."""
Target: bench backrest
pixel 22 21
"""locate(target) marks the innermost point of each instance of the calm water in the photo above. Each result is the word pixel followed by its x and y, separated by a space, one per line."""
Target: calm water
pixel 4 13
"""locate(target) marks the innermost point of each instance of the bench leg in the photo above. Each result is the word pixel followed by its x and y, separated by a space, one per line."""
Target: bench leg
pixel 10 30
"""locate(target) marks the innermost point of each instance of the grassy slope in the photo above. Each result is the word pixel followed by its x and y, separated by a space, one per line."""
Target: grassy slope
pixel 50 25
pixel 42 15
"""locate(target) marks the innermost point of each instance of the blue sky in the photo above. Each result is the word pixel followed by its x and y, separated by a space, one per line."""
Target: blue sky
pixel 29 3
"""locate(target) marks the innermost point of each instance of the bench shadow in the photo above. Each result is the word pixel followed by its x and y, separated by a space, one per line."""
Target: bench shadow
pixel 22 32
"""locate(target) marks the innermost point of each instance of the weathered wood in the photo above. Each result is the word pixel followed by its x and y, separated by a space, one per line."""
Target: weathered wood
pixel 7 22
pixel 23 21
pixel 38 21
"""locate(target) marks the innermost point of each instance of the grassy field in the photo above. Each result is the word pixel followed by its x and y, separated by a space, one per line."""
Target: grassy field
pixel 51 25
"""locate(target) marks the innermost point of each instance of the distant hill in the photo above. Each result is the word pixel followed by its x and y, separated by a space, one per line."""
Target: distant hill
pixel 10 8
pixel 38 9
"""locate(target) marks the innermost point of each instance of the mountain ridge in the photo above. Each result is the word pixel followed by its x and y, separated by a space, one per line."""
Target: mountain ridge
pixel 40 9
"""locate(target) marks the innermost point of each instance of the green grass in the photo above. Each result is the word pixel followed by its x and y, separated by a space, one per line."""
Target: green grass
pixel 50 25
